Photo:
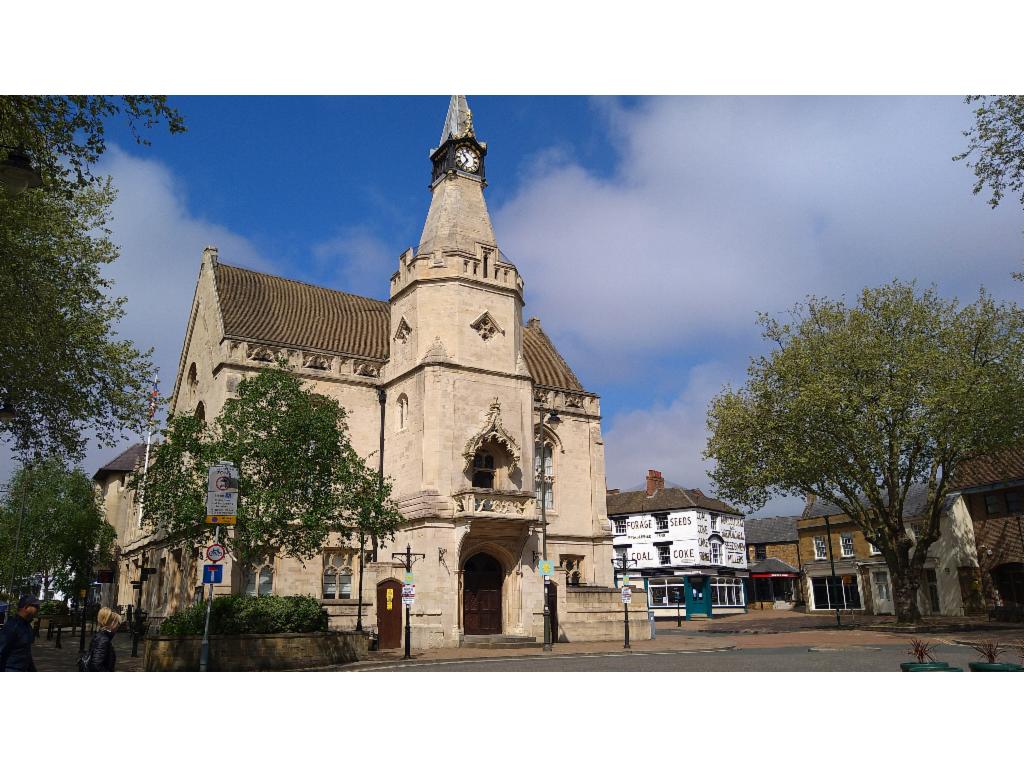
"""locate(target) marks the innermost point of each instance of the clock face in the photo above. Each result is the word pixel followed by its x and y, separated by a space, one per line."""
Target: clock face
pixel 467 159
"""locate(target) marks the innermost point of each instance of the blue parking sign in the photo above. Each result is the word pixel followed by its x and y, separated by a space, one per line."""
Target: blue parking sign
pixel 213 574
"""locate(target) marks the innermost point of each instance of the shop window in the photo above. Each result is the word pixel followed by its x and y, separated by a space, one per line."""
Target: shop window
pixel 661 523
pixel 760 551
pixel 726 592
pixel 666 592
pixel 664 558
pixel 842 594
pixel 620 527
pixel 820 552
pixel 846 544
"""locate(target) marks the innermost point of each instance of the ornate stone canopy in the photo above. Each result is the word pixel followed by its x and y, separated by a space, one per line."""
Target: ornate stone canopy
pixel 493 430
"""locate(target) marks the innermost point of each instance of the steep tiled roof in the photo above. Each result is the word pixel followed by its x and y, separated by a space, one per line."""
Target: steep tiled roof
pixel 279 311
pixel 274 310
pixel 125 462
pixel 664 499
pixel 913 506
pixel 762 530
pixel 771 565
pixel 1002 467
pixel 542 359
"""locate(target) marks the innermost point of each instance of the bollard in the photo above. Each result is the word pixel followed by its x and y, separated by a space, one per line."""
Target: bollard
pixel 59 629
pixel 49 631
pixel 654 629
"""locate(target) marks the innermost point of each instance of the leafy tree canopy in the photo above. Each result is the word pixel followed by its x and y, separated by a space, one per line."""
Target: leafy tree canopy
pixel 63 532
pixel 854 404
pixel 62 368
pixel 995 150
pixel 300 479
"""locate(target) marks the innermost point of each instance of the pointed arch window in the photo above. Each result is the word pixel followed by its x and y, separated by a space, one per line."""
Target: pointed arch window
pixel 201 411
pixel 403 412
pixel 337 577
pixel 483 470
pixel 258 580
pixel 545 455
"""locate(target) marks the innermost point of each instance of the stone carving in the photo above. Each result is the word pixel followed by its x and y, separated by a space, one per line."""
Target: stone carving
pixel 316 362
pixel 261 354
pixel 235 350
pixel 367 369
pixel 486 326
pixel 573 401
pixel 493 430
pixel 471 502
pixel 232 382
pixel 403 332
pixel 540 396
pixel 437 353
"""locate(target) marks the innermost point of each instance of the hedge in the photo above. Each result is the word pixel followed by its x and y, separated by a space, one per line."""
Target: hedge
pixel 245 614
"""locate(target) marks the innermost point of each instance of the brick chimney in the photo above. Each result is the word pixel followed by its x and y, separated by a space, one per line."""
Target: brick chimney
pixel 655 482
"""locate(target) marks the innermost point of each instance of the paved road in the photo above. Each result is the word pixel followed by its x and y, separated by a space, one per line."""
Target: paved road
pixel 792 659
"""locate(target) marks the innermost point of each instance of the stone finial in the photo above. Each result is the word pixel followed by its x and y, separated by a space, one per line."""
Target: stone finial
pixel 210 254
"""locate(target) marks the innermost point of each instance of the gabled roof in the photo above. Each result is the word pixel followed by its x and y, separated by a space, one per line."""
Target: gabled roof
pixel 126 461
pixel 913 506
pixel 771 565
pixel 274 310
pixel 1001 467
pixel 764 530
pixel 664 500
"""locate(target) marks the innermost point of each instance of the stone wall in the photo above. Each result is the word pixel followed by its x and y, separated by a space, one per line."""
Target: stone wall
pixel 596 613
pixel 255 653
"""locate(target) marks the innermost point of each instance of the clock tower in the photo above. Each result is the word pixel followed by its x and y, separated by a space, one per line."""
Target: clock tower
pixel 458 151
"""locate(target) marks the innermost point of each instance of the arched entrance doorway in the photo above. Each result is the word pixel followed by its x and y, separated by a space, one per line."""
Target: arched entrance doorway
pixel 481 595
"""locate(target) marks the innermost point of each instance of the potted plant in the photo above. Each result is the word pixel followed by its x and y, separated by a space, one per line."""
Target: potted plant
pixel 990 652
pixel 925 662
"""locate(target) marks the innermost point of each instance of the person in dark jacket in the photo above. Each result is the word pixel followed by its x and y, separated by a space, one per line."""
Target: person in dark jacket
pixel 17 637
pixel 102 657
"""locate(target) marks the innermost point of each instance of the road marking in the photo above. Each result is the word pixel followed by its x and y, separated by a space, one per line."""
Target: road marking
pixel 534 658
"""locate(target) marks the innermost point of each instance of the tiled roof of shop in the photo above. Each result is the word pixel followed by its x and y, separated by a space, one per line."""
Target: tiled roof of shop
pixel 126 461
pixel 1001 467
pixel 762 530
pixel 275 310
pixel 913 506
pixel 771 565
pixel 664 499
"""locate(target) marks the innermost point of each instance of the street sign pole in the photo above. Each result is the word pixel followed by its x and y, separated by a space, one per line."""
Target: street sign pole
pixel 204 651
pixel 407 560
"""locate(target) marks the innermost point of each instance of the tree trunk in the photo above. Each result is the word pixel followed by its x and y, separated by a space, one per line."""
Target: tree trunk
pixel 904 595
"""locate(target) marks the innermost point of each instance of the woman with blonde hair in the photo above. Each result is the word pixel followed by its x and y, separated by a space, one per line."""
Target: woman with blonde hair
pixel 101 656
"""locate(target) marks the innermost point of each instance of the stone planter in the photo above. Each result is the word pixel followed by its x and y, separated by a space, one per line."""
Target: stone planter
pixel 924 666
pixel 255 653
pixel 984 666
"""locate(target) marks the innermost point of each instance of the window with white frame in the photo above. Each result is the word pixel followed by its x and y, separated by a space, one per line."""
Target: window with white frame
pixel 620 526
pixel 873 549
pixel 846 544
pixel 337 576
pixel 661 523
pixel 842 593
pixel 716 551
pixel 819 548
pixel 665 592
pixel 714 522
pixel 664 558
pixel 726 591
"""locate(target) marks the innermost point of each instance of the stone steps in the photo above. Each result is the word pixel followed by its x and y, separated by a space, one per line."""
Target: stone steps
pixel 500 641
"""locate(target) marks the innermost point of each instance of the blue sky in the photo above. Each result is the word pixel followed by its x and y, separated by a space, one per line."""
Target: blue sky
pixel 649 232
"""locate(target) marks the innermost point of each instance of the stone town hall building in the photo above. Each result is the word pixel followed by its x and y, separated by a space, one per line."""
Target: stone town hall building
pixel 464 383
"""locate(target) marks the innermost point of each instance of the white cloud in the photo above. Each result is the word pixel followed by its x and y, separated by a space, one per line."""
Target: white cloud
pixel 161 243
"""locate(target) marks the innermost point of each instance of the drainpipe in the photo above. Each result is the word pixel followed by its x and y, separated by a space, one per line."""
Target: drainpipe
pixel 382 398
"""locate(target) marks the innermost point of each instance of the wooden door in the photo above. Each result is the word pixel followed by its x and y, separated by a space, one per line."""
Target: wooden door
pixel 389 614
pixel 481 596
pixel 553 609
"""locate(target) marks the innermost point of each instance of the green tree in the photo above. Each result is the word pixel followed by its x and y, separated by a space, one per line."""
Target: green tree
pixel 52 527
pixel 62 368
pixel 65 135
pixel 298 473
pixel 995 150
pixel 856 403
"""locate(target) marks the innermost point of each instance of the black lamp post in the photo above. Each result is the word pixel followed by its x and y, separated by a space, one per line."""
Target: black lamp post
pixel 622 563
pixel 832 564
pixel 17 173
pixel 554 420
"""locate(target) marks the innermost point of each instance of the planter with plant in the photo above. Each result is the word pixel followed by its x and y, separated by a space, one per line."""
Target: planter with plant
pixel 924 661
pixel 991 652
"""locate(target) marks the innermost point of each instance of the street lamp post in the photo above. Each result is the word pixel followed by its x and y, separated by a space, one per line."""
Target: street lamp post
pixel 407 560
pixel 554 420
pixel 832 564
pixel 622 563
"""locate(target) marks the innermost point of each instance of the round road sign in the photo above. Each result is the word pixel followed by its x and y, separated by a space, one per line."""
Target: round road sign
pixel 216 552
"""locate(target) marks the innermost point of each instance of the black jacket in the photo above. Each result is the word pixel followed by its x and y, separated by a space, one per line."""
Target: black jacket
pixel 16 640
pixel 102 656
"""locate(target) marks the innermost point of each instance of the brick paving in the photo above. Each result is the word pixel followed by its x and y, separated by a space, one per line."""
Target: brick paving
pixel 49 658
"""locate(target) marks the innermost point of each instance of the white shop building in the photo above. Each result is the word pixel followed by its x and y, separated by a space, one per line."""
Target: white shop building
pixel 685 549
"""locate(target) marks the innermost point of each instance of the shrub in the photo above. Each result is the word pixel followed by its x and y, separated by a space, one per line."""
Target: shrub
pixel 53 608
pixel 244 615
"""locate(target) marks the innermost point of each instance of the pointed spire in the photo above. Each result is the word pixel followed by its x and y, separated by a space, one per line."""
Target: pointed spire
pixel 458 122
